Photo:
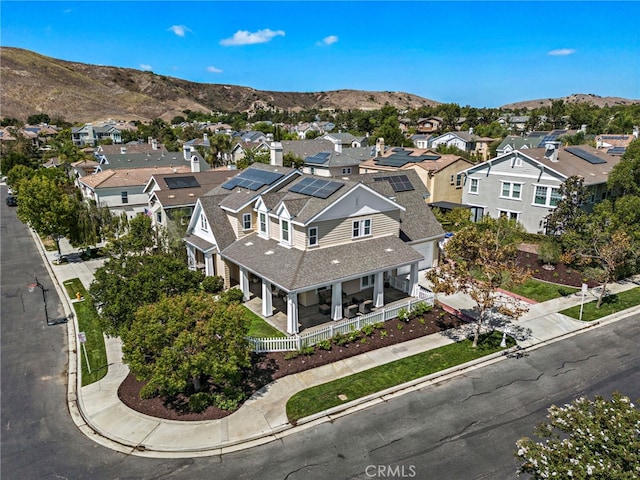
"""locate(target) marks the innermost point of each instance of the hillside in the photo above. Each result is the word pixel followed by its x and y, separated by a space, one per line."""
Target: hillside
pixel 596 100
pixel 33 83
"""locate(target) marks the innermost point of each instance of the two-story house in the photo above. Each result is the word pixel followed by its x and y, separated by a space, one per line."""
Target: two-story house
pixel 306 239
pixel 335 163
pixel 345 140
pixel 525 184
pixel 465 141
pixel 90 134
pixel 438 172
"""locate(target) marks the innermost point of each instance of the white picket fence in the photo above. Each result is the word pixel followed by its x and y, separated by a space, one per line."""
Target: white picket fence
pixel 297 342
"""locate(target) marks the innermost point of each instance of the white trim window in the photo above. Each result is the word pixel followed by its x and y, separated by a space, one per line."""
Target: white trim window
pixel 285 234
pixel 474 186
pixel 511 190
pixel 262 223
pixel 346 171
pixel 509 214
pixel 545 196
pixel 124 197
pixel 203 222
pixel 361 228
pixel 367 281
pixel 313 236
pixel 246 221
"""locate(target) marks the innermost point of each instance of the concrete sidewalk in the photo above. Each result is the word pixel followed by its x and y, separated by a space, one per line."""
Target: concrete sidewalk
pixel 97 411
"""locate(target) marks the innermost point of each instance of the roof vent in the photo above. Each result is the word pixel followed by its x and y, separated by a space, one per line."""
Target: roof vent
pixel 335 262
pixel 269 252
pixel 248 244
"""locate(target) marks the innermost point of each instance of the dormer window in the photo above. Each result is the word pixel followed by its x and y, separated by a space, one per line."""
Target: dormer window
pixel 284 232
pixel 203 222
pixel 246 221
pixel 362 228
pixel 262 223
pixel 313 236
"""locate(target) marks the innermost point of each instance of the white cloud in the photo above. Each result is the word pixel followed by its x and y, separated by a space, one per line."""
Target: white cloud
pixel 213 69
pixel 179 30
pixel 244 37
pixel 331 39
pixel 144 66
pixel 562 52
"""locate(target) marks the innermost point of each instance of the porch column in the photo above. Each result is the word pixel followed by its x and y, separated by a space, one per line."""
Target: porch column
pixel 378 290
pixel 244 284
pixel 209 268
pixel 336 301
pixel 191 257
pixel 292 313
pixel 413 279
pixel 267 299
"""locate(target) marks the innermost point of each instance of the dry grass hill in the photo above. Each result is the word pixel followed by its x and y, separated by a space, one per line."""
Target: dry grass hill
pixel 596 100
pixel 33 83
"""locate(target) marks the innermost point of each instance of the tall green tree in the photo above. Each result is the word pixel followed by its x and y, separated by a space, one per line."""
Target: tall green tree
pixel 124 284
pixel 45 206
pixel 585 439
pixel 624 178
pixel 479 260
pixel 182 343
pixel 569 214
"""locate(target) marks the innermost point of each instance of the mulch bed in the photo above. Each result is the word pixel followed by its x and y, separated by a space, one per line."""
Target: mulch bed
pixel 561 274
pixel 271 366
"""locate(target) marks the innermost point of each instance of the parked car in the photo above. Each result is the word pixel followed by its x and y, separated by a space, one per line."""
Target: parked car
pixel 12 200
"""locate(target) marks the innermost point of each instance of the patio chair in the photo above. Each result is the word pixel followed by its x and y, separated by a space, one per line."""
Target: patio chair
pixel 365 307
pixel 350 311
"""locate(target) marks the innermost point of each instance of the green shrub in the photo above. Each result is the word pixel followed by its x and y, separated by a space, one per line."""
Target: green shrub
pixel 198 402
pixel 422 308
pixel 291 355
pixel 400 326
pixel 379 325
pixel 368 330
pixel 403 315
pixel 383 333
pixel 340 339
pixel 213 284
pixel 231 296
pixel 325 344
pixel 230 399
pixel 307 350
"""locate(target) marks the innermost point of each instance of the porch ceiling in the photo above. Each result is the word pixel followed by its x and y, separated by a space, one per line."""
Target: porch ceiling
pixel 297 270
pixel 199 243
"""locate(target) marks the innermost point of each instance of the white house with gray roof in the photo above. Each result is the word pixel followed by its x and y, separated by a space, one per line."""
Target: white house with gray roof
pixel 332 244
pixel 525 184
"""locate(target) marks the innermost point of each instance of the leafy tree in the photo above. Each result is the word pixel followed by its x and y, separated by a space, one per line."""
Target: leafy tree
pixel 624 178
pixel 124 284
pixel 184 342
pixel 568 214
pixel 291 160
pixel 480 259
pixel 453 220
pixel 91 225
pixel 585 439
pixel 390 131
pixel 139 239
pixel 11 159
pixel 45 206
pixel 38 118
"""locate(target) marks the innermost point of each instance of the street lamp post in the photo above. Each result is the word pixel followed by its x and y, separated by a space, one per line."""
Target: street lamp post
pixel 44 298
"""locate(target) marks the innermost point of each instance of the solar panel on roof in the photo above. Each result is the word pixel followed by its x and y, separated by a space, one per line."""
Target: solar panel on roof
pixel 399 183
pixel 181 182
pixel 616 150
pixel 316 187
pixel 392 161
pixel 318 158
pixel 584 155
pixel 252 179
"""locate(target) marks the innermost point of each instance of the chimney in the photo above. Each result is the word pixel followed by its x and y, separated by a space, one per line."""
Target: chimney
pixel 379 146
pixel 205 137
pixel 583 128
pixel 195 164
pixel 470 130
pixel 551 151
pixel 636 131
pixel 149 140
pixel 186 150
pixel 276 154
pixel 154 144
pixel 123 150
pixel 338 147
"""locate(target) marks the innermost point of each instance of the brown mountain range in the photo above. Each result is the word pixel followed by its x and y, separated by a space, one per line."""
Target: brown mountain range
pixel 80 92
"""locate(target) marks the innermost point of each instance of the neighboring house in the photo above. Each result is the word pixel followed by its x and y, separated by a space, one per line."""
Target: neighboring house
pixel 307 239
pixel 90 134
pixel 172 196
pixel 429 125
pixel 345 140
pixel 524 185
pixel 421 140
pixel 517 142
pixel 335 163
pixel 514 123
pixel 240 149
pixel 465 141
pixel 151 146
pixel 306 148
pixel 615 144
pixel 438 172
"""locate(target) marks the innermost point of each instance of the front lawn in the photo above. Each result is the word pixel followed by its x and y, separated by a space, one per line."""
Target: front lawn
pixel 542 291
pixel 610 304
pixel 322 397
pixel 261 329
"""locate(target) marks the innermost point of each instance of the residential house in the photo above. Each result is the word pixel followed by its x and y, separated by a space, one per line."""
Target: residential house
pixel 336 162
pixel 615 144
pixel 304 241
pixel 438 172
pixel 421 140
pixel 172 196
pixel 90 134
pixel 345 140
pixel 240 149
pixel 525 184
pixel 465 141
pixel 517 142
pixel 429 125
pixel 102 152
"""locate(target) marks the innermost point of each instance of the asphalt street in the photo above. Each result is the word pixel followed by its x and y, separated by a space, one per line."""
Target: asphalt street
pixel 462 428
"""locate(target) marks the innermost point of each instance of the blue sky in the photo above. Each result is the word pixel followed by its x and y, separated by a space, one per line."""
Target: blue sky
pixel 483 54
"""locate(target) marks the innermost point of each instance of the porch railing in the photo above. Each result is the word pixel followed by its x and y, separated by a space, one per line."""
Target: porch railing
pixel 297 342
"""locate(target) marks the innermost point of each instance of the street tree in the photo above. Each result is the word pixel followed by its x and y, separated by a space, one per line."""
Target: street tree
pixel 184 343
pixel 481 259
pixel 46 206
pixel 569 214
pixel 124 284
pixel 624 178
pixel 585 439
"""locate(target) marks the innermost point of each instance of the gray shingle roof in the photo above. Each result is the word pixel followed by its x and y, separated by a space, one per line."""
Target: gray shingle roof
pixel 149 160
pixel 306 269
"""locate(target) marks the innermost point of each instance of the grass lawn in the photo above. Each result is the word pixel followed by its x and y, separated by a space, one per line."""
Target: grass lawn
pixel 88 323
pixel 261 329
pixel 325 396
pixel 610 304
pixel 542 291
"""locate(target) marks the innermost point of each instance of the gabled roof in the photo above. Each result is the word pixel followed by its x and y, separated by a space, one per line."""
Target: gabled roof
pixel 150 159
pixel 408 158
pixel 130 148
pixel 567 165
pixel 186 195
pixel 347 158
pixel 306 148
pixel 306 269
pixel 126 177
